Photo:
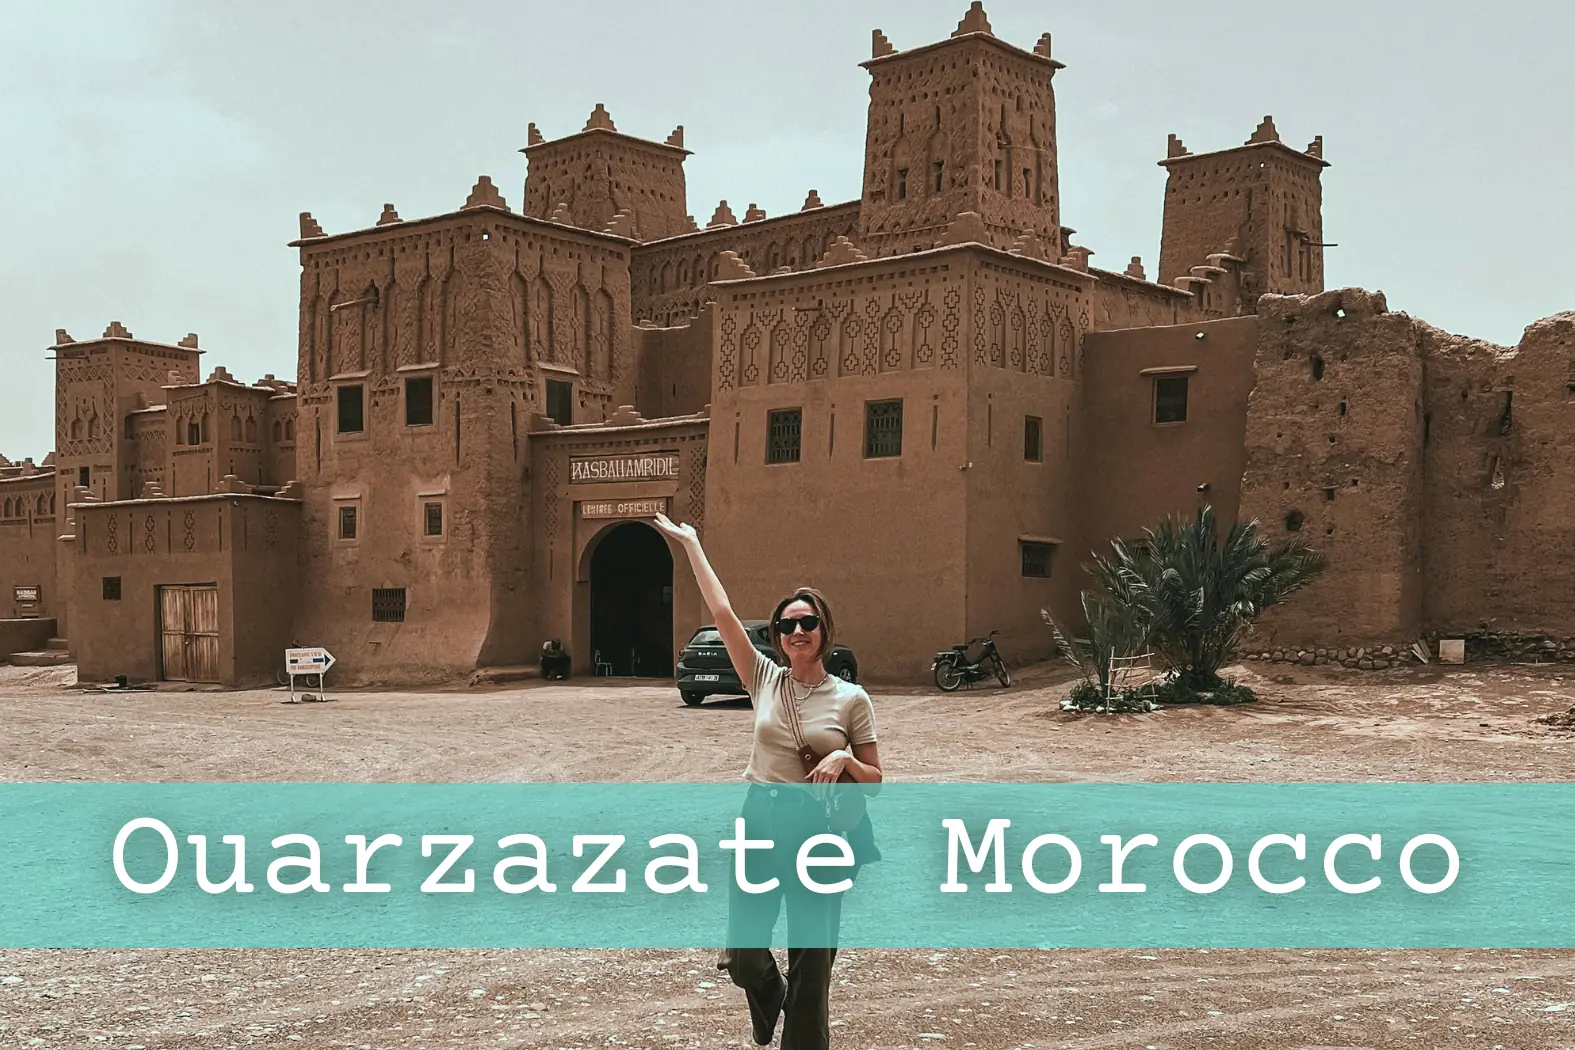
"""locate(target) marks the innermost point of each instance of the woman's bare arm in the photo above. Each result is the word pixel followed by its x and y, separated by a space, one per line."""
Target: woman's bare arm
pixel 740 650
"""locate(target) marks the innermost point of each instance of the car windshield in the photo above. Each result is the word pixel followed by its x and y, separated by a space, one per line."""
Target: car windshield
pixel 709 636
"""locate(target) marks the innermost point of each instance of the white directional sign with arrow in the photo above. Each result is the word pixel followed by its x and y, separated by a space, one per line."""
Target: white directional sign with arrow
pixel 313 662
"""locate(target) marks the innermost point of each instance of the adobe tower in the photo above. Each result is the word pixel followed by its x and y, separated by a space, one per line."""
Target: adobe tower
pixel 963 125
pixel 603 175
pixel 1261 204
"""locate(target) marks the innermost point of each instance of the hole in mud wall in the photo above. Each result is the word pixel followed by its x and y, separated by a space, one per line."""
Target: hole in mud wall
pixel 1293 521
pixel 1287 486
pixel 1427 426
pixel 1328 530
pixel 1317 367
pixel 1342 409
pixel 1340 313
pixel 1328 494
pixel 1353 483
pixel 1506 417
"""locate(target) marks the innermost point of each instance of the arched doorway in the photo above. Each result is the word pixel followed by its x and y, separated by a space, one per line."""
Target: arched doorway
pixel 632 602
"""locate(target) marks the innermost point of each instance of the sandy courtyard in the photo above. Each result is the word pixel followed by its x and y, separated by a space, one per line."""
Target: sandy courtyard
pixel 1313 724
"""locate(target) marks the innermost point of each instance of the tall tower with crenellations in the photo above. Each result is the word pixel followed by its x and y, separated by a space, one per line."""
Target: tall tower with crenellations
pixel 601 179
pixel 963 125
pixel 1260 203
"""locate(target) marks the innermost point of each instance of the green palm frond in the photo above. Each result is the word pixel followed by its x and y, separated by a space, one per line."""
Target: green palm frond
pixel 1196 591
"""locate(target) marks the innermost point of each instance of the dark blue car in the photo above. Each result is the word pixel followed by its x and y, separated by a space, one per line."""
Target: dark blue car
pixel 704 668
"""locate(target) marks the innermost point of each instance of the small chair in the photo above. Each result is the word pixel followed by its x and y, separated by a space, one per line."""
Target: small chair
pixel 602 666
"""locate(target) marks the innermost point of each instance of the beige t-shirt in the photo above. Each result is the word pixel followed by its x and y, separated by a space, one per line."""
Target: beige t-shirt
pixel 836 714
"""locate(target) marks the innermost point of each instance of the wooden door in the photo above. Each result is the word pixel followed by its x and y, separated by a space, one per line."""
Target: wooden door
pixel 173 602
pixel 189 632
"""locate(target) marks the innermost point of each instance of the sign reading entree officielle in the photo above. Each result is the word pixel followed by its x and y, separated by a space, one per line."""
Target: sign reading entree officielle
pixel 624 508
pixel 643 466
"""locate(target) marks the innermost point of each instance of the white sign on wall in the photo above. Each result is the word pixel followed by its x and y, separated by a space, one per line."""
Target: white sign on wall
pixel 647 466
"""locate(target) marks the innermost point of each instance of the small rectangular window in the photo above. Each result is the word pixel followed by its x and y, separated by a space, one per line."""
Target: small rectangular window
pixel 112 588
pixel 1035 558
pixel 418 401
pixel 1033 428
pixel 940 175
pixel 347 523
pixel 882 429
pixel 433 519
pixel 998 170
pixel 902 183
pixel 388 604
pixel 84 477
pixel 1170 399
pixel 560 401
pixel 784 434
pixel 352 409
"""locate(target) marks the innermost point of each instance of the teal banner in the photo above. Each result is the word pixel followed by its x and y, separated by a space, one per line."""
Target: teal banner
pixel 666 865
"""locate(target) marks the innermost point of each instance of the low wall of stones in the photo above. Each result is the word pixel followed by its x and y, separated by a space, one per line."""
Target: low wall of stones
pixel 1364 658
pixel 1481 646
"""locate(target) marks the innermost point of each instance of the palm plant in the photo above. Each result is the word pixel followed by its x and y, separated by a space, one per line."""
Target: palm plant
pixel 1113 630
pixel 1197 594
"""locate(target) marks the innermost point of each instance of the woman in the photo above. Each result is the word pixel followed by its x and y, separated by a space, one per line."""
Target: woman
pixel 833 719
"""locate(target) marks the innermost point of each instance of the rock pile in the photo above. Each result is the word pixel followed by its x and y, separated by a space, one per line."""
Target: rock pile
pixel 1517 648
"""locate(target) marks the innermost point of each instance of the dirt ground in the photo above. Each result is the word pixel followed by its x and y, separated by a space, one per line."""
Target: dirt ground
pixel 1422 724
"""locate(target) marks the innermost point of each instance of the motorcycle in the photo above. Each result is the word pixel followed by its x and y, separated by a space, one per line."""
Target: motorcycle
pixel 953 669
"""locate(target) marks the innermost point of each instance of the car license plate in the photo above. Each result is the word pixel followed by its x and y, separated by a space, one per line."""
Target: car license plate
pixel 708 678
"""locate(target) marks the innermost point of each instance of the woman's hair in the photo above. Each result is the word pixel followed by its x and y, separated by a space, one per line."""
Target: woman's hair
pixel 816 601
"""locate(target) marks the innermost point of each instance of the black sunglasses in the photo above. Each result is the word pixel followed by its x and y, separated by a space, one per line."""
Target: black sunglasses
pixel 788 623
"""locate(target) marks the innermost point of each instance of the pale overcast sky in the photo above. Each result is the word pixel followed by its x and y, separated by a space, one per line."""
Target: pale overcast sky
pixel 154 155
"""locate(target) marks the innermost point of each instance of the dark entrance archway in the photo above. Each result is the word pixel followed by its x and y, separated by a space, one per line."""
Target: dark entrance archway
pixel 632 603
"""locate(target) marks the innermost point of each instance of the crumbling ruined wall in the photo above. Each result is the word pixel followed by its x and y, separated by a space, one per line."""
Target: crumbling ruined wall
pixel 1334 454
pixel 1500 481
pixel 1433 469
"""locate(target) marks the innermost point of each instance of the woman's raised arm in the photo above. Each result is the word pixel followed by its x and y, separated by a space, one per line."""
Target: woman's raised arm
pixel 739 648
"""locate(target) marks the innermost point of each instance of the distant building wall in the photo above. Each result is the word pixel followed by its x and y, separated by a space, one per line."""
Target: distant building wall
pixel 27 546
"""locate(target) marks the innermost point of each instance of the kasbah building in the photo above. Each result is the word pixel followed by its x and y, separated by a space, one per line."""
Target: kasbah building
pixel 927 401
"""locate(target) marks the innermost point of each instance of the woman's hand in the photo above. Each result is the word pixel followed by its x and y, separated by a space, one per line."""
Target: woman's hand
pixel 684 534
pixel 831 768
